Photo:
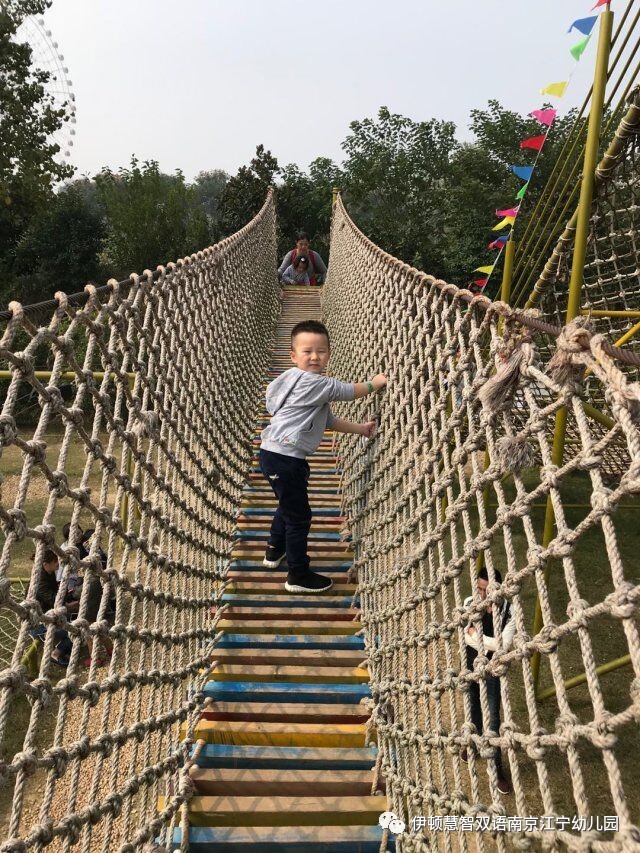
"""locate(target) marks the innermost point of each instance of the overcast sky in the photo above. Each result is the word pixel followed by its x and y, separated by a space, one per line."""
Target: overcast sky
pixel 197 84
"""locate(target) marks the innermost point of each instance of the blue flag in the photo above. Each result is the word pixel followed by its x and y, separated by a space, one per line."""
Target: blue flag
pixel 523 172
pixel 585 25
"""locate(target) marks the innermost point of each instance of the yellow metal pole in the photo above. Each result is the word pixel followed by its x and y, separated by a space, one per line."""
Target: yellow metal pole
pixel 589 313
pixel 618 663
pixel 505 296
pixel 577 275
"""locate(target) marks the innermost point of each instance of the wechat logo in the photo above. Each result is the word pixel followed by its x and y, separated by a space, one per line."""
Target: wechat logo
pixel 388 820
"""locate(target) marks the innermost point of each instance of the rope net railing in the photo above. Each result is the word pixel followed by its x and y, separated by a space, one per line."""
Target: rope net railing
pixel 151 451
pixel 610 295
pixel 457 480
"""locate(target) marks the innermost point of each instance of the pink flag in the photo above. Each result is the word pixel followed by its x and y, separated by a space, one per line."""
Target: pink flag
pixel 512 211
pixel 534 142
pixel 546 117
pixel 601 3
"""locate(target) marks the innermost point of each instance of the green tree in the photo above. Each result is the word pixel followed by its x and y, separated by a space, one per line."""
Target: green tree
pixel 59 249
pixel 151 218
pixel 304 203
pixel 28 168
pixel 209 187
pixel 245 192
pixel 395 179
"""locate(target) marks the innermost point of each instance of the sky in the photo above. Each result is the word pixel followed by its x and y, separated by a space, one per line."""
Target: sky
pixel 197 84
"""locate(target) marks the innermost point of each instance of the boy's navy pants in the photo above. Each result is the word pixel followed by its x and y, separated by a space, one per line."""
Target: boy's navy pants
pixel 288 477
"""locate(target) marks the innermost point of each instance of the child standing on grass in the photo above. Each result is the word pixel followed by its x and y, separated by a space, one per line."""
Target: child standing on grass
pixel 298 402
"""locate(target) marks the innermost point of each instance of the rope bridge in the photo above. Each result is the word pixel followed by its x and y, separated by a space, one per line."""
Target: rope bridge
pixel 219 713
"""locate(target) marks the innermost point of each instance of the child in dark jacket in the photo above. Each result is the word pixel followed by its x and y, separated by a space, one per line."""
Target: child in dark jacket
pixel 298 401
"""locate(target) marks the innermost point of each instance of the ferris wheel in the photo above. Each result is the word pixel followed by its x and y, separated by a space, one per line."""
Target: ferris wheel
pixel 46 57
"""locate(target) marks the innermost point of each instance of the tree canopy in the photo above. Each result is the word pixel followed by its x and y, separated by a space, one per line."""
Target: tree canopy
pixel 412 186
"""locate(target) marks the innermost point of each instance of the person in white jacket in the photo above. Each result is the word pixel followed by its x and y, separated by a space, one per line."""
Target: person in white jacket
pixel 490 645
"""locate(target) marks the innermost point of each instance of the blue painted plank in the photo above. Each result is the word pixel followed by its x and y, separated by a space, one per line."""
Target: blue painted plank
pixel 290 641
pixel 220 755
pixel 275 691
pixel 284 839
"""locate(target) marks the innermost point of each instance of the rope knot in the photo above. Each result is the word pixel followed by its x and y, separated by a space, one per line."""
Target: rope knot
pixel 566 366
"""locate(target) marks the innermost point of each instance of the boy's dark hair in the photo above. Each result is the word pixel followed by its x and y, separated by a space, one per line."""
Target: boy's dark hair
pixel 302 235
pixel 48 557
pixel 484 575
pixel 313 326
pixel 301 259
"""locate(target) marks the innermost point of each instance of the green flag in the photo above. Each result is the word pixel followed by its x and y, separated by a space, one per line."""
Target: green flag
pixel 578 49
pixel 522 191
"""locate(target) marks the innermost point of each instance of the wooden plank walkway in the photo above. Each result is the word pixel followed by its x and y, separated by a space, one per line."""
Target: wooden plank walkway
pixel 285 766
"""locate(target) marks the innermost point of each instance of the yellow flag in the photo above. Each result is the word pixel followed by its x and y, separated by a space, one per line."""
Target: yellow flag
pixel 557 89
pixel 508 220
pixel 485 270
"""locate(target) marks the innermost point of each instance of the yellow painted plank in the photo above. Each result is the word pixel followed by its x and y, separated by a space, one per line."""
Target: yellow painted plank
pixel 284 811
pixel 302 674
pixel 242 732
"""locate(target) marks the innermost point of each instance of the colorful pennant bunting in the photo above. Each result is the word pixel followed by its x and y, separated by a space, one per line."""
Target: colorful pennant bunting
pixel 522 172
pixel 508 220
pixel 546 117
pixel 584 25
pixel 534 142
pixel 578 49
pixel 555 89
pixel 512 211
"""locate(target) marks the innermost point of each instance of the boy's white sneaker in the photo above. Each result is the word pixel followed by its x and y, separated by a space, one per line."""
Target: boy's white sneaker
pixel 307 582
pixel 272 558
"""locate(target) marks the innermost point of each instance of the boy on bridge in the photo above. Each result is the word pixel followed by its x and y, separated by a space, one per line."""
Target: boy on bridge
pixel 298 402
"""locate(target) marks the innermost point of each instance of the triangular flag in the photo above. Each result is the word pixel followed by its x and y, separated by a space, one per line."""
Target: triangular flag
pixel 523 172
pixel 481 282
pixel 601 3
pixel 578 49
pixel 499 242
pixel 534 142
pixel 557 89
pixel 522 191
pixel 508 220
pixel 485 270
pixel 546 117
pixel 584 25
pixel 512 211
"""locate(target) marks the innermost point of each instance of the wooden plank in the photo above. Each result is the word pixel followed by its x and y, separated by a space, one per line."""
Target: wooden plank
pixel 290 641
pixel 324 614
pixel 285 657
pixel 279 734
pixel 284 811
pixel 272 585
pixel 280 783
pixel 280 757
pixel 286 626
pixel 282 691
pixel 282 712
pixel 287 599
pixel 284 839
pixel 304 674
